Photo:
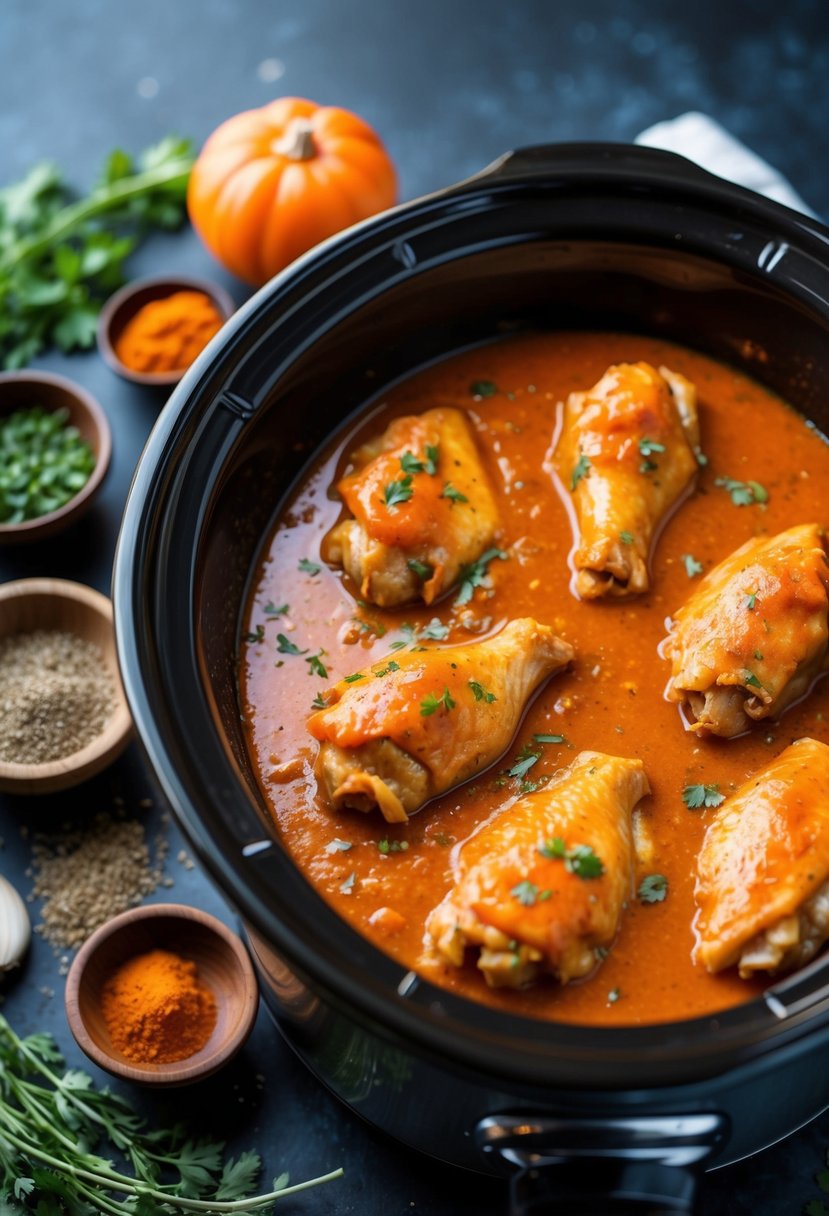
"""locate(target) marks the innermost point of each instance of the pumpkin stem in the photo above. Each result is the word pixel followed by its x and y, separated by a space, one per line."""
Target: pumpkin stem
pixel 298 141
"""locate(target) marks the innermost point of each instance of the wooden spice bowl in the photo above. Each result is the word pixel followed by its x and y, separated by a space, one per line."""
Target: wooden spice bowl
pixel 124 304
pixel 22 390
pixel 55 604
pixel 223 966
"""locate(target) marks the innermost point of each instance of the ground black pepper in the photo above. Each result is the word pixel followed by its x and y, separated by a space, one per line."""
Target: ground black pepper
pixel 56 696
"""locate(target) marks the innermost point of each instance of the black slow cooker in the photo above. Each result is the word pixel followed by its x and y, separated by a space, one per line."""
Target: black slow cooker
pixel 578 236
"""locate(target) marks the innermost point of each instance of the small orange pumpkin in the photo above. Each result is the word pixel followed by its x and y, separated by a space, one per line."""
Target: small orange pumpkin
pixel 270 183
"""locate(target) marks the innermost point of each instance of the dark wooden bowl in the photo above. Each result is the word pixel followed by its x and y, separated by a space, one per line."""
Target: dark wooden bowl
pixel 223 965
pixel 21 389
pixel 58 604
pixel 124 304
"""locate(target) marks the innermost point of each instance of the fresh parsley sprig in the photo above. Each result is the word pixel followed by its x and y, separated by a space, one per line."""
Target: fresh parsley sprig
pixel 60 260
pixel 51 1119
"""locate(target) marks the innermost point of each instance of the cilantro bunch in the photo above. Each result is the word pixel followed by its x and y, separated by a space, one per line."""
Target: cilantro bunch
pixel 51 1120
pixel 59 260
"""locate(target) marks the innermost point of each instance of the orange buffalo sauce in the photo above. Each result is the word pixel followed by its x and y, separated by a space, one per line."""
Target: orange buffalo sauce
pixel 385 880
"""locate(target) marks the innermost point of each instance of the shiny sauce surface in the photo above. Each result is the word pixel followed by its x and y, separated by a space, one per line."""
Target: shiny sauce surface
pixel 611 701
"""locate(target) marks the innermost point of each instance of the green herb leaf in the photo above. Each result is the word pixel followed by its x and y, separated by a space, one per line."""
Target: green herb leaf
pixel 50 1120
pixel 743 493
pixel 750 601
pixel 692 566
pixel 432 458
pixel 480 693
pixel 451 493
pixel 750 679
pixel 308 567
pixel 392 665
pixel 581 469
pixel 696 796
pixel 549 738
pixel 435 631
pixel 271 609
pixel 409 463
pixel 525 892
pixel 523 765
pixel 397 492
pixel 647 447
pixel 626 538
pixel 59 260
pixel 483 388
pixel 257 636
pixel 422 569
pixel 653 889
pixel 319 701
pixel 431 703
pixel 285 646
pixel 354 677
pixel 474 574
pixel 579 860
pixel 316 667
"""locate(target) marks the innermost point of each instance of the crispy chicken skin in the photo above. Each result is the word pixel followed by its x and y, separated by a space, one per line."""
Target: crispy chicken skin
pixel 420 722
pixel 445 515
pixel 626 454
pixel 753 637
pixel 530 912
pixel 762 890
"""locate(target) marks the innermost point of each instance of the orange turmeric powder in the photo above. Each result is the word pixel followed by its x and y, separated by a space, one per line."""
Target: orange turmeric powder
pixel 166 335
pixel 156 1009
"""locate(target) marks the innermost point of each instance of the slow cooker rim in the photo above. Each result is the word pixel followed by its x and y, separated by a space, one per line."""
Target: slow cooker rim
pixel 195 387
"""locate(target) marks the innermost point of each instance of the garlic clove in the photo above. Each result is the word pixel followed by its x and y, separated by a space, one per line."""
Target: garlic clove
pixel 15 926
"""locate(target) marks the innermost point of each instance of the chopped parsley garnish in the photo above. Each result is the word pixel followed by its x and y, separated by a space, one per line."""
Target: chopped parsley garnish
pixel 648 466
pixel 751 680
pixel 480 693
pixel 431 703
pixel 338 846
pixel 696 796
pixel 398 491
pixel 271 609
pixel 483 388
pixel 626 538
pixel 308 567
pixel 435 630
pixel 452 494
pixel 443 840
pixel 409 463
pixel 581 468
pixel 750 601
pixel 352 679
pixel 758 654
pixel 319 702
pixel 525 892
pixel 523 765
pixel 549 738
pixel 408 637
pixel 392 846
pixel 579 860
pixel 432 458
pixel 375 627
pixel 348 886
pixel 257 636
pixel 316 667
pixel 653 889
pixel 647 447
pixel 702 459
pixel 692 566
pixel 473 574
pixel 286 646
pixel 743 493
pixel 390 666
pixel 422 569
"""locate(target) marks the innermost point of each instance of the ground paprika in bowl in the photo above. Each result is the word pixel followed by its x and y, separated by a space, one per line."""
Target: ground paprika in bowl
pixel 163 994
pixel 152 330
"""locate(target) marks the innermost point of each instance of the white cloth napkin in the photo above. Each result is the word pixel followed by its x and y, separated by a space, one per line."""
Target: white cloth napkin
pixel 703 140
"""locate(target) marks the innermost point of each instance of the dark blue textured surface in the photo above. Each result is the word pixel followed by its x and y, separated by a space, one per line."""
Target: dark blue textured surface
pixel 450 84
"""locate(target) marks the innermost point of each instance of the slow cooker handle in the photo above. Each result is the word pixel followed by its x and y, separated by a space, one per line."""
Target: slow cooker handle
pixel 623 160
pixel 574 1166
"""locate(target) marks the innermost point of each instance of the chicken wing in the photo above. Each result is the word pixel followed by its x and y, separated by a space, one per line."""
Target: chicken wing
pixel 762 888
pixel 753 637
pixel 421 506
pixel 626 453
pixel 420 722
pixel 541 887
